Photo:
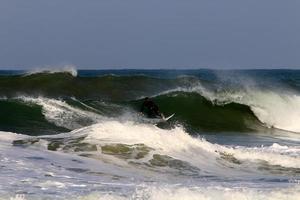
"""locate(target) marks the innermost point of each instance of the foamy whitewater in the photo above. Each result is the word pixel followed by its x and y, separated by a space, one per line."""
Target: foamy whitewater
pixel 85 139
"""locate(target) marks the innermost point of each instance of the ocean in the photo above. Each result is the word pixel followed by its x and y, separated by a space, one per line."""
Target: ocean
pixel 79 134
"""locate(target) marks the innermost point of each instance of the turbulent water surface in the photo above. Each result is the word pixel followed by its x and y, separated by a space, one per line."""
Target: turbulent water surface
pixel 79 135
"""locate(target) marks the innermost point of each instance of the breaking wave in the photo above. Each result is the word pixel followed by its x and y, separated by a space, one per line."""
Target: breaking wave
pixel 149 149
pixel 274 109
pixel 198 105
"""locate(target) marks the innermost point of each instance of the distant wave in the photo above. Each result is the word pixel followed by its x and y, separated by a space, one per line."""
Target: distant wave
pixel 71 69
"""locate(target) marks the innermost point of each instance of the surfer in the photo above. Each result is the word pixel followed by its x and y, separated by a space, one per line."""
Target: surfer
pixel 152 109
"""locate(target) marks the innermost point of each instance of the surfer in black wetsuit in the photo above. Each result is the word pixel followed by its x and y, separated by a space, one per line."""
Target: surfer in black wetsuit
pixel 151 108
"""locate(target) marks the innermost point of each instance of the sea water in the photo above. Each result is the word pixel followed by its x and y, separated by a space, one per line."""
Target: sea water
pixel 68 134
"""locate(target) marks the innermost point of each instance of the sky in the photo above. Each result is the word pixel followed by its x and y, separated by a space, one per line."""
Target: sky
pixel 97 34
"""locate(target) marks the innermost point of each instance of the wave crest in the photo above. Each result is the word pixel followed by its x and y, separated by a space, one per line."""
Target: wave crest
pixel 275 109
pixel 71 69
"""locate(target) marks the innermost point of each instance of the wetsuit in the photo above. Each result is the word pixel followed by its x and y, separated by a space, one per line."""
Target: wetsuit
pixel 151 109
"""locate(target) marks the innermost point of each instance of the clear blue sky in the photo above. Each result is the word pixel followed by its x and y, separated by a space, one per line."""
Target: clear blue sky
pixel 150 33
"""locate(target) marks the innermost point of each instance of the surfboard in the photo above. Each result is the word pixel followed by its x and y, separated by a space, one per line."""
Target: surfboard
pixel 157 120
pixel 169 117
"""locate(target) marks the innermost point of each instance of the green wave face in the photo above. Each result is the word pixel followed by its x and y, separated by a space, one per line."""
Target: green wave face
pixel 191 110
pixel 198 113
pixel 15 116
pixel 111 96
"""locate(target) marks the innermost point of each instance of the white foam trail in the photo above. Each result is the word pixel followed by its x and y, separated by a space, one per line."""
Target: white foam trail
pixel 274 155
pixel 179 145
pixel 48 184
pixel 61 113
pixel 71 69
pixel 18 197
pixel 202 193
pixel 9 136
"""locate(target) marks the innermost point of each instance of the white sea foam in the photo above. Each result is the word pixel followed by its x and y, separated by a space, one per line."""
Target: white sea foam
pixel 48 184
pixel 175 143
pixel 18 197
pixel 180 145
pixel 9 136
pixel 202 193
